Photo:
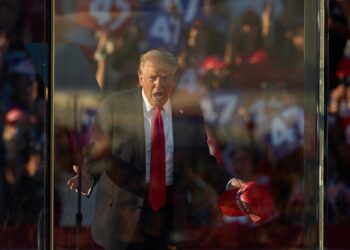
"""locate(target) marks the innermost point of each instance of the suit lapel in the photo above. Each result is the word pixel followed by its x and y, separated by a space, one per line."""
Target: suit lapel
pixel 177 118
pixel 177 115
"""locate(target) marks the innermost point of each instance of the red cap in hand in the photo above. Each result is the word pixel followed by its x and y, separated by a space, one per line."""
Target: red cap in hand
pixel 251 199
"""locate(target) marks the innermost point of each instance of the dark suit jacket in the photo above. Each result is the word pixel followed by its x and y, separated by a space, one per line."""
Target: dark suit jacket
pixel 116 157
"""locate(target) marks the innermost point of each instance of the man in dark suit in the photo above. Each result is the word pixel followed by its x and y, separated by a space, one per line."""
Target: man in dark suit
pixel 143 145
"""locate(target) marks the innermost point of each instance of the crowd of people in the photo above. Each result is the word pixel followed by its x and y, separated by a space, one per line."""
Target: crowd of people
pixel 337 175
pixel 23 107
pixel 22 122
pixel 243 62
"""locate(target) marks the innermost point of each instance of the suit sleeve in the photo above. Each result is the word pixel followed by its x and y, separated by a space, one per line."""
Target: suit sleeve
pixel 205 165
pixel 98 154
pixel 110 138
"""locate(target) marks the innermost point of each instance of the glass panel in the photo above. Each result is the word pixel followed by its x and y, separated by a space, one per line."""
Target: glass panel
pixel 241 67
pixel 23 107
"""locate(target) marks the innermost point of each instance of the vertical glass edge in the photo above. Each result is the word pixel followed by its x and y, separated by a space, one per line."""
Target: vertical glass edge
pixel 52 66
pixel 312 117
pixel 322 120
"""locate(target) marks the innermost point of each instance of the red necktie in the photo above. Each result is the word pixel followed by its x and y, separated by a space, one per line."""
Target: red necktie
pixel 156 196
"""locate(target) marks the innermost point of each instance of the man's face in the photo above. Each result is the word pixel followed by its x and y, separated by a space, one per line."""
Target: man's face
pixel 158 82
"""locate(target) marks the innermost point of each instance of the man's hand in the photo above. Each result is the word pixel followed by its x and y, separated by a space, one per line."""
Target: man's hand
pixel 235 183
pixel 86 183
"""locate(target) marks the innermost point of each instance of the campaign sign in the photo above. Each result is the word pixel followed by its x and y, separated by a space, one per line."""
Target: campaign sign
pixel 189 81
pixel 113 15
pixel 219 108
pixel 286 131
pixel 190 10
pixel 162 30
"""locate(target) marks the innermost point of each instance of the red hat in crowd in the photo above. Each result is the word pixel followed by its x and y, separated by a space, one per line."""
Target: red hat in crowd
pixel 213 62
pixel 14 115
pixel 251 199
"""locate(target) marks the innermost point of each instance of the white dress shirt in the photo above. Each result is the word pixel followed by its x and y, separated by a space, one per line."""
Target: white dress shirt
pixel 148 111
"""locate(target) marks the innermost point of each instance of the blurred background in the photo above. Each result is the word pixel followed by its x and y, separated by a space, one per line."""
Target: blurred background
pixel 243 60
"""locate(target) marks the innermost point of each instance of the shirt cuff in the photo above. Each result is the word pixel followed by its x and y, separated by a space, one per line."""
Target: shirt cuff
pixel 228 184
pixel 90 189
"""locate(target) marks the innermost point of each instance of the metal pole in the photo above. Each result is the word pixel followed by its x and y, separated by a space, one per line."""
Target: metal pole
pixel 78 216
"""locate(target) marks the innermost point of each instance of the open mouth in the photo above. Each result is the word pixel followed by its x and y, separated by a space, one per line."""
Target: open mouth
pixel 158 95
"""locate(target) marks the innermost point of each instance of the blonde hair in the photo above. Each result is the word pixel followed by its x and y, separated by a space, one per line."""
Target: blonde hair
pixel 164 58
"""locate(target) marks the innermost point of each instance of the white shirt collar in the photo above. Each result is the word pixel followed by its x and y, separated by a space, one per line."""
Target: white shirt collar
pixel 149 107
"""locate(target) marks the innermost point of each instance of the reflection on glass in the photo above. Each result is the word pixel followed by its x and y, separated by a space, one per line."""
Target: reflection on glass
pixel 22 112
pixel 240 61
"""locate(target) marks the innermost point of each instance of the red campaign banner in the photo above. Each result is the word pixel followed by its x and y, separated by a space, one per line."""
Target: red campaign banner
pixel 112 15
